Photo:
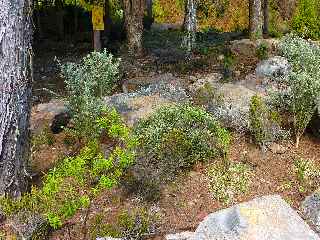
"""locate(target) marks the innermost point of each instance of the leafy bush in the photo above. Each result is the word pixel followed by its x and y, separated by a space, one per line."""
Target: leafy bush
pixel 228 182
pixel 265 124
pixel 306 19
pixel 76 181
pixel 262 51
pixel 307 173
pixel 301 89
pixel 87 82
pixel 174 138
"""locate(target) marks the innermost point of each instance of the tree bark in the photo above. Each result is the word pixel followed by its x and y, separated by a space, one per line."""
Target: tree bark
pixel 255 19
pixel 96 40
pixel 134 11
pixel 190 24
pixel 15 94
pixel 149 8
pixel 107 19
pixel 266 16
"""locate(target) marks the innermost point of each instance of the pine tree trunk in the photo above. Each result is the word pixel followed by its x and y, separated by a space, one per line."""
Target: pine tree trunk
pixel 15 95
pixel 107 19
pixel 255 19
pixel 190 25
pixel 266 16
pixel 149 9
pixel 134 11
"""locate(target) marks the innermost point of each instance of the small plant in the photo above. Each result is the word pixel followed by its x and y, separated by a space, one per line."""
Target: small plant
pixel 262 51
pixel 306 171
pixel 45 137
pixel 227 182
pixel 174 138
pixel 76 181
pixel 87 83
pixel 265 124
pixel 207 95
pixel 228 64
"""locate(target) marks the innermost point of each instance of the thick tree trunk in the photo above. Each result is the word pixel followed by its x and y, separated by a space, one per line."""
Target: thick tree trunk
pixel 266 16
pixel 255 19
pixel 134 11
pixel 96 40
pixel 15 94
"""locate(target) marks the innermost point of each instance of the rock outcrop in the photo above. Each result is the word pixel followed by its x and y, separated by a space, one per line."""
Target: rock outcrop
pixel 263 218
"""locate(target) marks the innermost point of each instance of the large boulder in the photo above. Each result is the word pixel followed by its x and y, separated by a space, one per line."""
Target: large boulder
pixel 264 218
pixel 311 209
pixel 140 104
pixel 230 103
pixel 248 48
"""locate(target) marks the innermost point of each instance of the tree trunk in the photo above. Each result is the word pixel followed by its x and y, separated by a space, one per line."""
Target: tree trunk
pixel 15 95
pixel 38 17
pixel 266 16
pixel 96 40
pixel 149 9
pixel 190 25
pixel 255 19
pixel 107 19
pixel 134 11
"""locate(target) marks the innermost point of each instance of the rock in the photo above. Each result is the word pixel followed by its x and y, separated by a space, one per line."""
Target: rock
pixel 48 115
pixel 180 236
pixel 277 148
pixel 273 67
pixel 264 218
pixel 212 79
pixel 311 209
pixel 314 125
pixel 29 226
pixel 165 26
pixel 248 48
pixel 140 104
pixel 228 102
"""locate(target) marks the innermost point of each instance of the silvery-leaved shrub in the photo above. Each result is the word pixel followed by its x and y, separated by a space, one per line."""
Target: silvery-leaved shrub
pixel 87 82
pixel 301 88
pixel 173 139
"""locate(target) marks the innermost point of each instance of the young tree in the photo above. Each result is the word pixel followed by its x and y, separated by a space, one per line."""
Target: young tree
pixel 255 19
pixel 15 94
pixel 133 14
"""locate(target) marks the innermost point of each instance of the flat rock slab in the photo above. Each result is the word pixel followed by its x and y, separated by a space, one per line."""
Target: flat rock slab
pixel 264 218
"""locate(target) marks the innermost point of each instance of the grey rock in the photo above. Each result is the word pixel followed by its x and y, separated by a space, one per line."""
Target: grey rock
pixel 273 67
pixel 140 104
pixel 228 102
pixel 29 226
pixel 311 209
pixel 264 218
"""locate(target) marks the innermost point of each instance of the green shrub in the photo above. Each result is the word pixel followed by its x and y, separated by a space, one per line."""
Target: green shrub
pixel 307 173
pixel 228 182
pixel 300 90
pixel 174 138
pixel 265 124
pixel 306 21
pixel 86 83
pixel 76 181
pixel 262 51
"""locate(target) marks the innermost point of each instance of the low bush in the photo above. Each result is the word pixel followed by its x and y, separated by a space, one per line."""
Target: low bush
pixel 174 138
pixel 76 181
pixel 227 182
pixel 87 83
pixel 265 124
pixel 262 51
pixel 301 88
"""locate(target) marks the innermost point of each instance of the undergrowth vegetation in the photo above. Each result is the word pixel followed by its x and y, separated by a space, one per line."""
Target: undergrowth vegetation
pixel 174 138
pixel 300 90
pixel 76 181
pixel 87 83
